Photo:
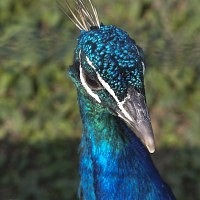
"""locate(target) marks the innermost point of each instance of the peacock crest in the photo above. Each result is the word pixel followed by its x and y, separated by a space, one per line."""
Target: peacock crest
pixel 83 16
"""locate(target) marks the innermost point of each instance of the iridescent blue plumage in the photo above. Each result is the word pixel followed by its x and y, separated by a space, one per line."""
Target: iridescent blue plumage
pixel 115 55
pixel 117 135
pixel 114 164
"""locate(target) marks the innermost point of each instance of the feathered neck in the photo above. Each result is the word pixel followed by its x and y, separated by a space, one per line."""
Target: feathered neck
pixel 114 164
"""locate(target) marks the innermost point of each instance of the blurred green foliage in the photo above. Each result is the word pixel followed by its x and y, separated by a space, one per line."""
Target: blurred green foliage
pixel 39 117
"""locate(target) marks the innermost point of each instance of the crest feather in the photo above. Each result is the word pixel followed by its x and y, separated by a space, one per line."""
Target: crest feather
pixel 83 16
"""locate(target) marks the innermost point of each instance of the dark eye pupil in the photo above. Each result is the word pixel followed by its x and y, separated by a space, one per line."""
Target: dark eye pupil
pixel 92 82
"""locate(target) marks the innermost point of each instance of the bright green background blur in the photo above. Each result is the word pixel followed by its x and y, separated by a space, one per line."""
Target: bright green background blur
pixel 39 118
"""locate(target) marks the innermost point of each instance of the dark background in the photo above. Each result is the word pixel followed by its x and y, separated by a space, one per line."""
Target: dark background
pixel 39 119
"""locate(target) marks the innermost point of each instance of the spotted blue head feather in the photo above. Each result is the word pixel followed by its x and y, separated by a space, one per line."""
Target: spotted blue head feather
pixel 115 56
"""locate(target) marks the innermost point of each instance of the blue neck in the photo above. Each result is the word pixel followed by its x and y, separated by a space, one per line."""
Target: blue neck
pixel 114 164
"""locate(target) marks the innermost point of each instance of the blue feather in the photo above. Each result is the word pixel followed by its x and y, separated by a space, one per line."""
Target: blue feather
pixel 114 164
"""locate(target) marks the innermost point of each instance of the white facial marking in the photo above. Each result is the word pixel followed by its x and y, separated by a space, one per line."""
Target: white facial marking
pixel 87 88
pixel 143 65
pixel 137 50
pixel 112 93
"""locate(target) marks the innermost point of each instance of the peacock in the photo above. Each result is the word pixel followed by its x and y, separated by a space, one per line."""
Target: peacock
pixel 108 71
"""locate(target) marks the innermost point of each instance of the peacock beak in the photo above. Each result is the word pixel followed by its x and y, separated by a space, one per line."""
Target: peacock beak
pixel 134 112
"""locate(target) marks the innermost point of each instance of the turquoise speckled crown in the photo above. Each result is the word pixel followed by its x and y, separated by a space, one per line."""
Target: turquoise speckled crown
pixel 114 54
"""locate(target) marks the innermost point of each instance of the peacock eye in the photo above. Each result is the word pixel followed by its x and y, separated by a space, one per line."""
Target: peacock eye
pixel 93 82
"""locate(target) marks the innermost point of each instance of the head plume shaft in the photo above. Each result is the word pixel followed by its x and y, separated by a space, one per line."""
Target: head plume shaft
pixel 83 16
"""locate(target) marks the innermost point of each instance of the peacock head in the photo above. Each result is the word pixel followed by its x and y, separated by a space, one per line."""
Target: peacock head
pixel 109 70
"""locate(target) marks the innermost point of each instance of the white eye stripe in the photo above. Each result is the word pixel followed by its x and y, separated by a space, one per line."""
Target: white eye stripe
pixel 87 88
pixel 112 93
pixel 143 65
pixel 85 85
pixel 137 50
